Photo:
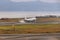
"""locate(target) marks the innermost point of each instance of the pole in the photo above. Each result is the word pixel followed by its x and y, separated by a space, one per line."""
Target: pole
pixel 13 25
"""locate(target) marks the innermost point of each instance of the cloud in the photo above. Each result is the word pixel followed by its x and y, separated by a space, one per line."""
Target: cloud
pixel 46 1
pixel 50 1
pixel 22 0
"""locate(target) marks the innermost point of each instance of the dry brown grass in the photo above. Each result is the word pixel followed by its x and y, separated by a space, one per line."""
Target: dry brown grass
pixel 47 19
pixel 11 20
pixel 30 28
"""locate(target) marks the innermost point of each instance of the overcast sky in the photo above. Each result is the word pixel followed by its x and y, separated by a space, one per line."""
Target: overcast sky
pixel 26 14
pixel 21 8
pixel 29 5
pixel 47 1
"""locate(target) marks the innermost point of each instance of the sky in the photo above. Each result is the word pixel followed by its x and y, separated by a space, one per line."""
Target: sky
pixel 21 8
pixel 26 14
pixel 47 1
pixel 30 5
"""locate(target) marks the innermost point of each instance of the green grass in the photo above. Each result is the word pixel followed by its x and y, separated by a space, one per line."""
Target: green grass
pixel 30 28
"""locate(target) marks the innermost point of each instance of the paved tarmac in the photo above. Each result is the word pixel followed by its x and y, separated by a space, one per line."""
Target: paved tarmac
pixel 17 23
pixel 54 36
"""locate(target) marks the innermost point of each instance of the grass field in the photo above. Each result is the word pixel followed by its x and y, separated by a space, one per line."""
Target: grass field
pixel 48 19
pixel 30 28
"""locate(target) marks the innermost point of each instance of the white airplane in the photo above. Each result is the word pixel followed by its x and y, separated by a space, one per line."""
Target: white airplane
pixel 30 19
pixel 27 19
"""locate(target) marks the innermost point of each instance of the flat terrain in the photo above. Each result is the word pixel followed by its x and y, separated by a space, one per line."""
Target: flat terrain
pixel 30 28
pixel 54 36
pixel 41 19
pixel 48 20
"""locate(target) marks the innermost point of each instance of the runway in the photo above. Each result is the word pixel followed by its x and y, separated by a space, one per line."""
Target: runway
pixel 17 23
pixel 54 36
